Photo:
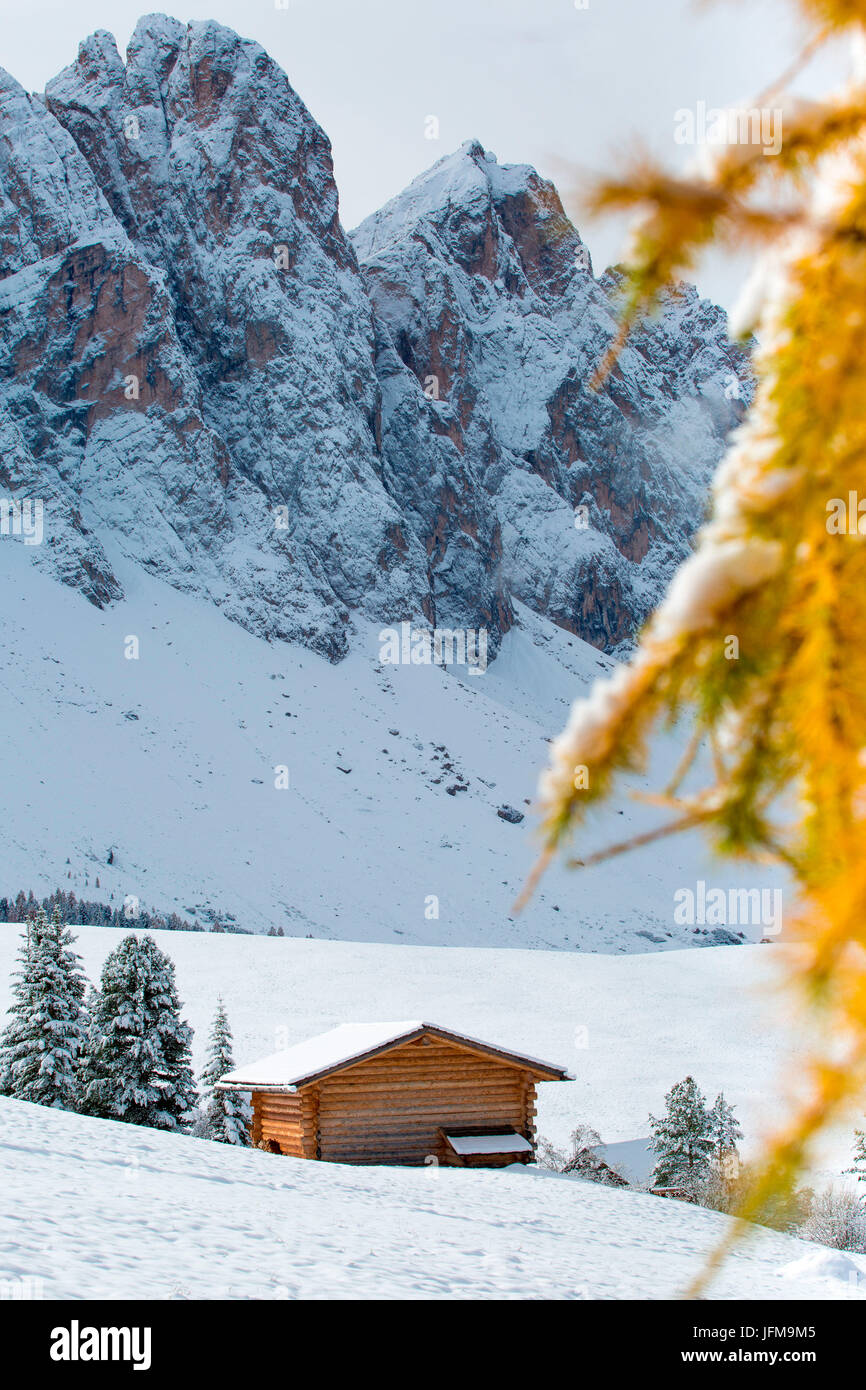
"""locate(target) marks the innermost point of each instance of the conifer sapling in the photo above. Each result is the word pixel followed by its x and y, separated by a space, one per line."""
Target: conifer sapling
pixel 222 1115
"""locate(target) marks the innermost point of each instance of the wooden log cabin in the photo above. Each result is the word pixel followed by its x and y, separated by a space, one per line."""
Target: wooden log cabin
pixel 396 1093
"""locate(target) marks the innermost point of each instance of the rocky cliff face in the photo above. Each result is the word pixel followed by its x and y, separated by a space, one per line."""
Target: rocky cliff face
pixel 486 290
pixel 199 367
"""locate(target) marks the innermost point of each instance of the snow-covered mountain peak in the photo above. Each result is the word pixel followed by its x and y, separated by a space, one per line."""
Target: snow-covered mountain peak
pixel 500 221
pixel 207 382
pixel 306 443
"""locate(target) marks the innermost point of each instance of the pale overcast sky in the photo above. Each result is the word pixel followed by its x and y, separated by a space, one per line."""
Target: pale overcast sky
pixel 537 81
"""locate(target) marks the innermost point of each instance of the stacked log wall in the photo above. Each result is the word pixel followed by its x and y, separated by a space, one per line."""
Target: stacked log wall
pixel 390 1108
pixel 279 1118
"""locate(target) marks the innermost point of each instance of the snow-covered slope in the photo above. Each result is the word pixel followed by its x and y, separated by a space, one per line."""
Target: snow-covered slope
pixel 626 1027
pixel 96 1209
pixel 166 764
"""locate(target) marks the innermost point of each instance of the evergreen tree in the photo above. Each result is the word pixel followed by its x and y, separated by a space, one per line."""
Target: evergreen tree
pixel 222 1115
pixel 138 1064
pixel 682 1138
pixel 41 1046
pixel 14 1047
pixel 724 1131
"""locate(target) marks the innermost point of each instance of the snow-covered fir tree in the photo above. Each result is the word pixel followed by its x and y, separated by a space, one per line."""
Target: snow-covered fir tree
pixel 725 1133
pixel 13 1046
pixel 682 1139
pixel 222 1115
pixel 42 1045
pixel 138 1063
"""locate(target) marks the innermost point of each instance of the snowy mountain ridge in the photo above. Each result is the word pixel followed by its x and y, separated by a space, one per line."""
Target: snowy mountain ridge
pixel 305 428
pixel 257 440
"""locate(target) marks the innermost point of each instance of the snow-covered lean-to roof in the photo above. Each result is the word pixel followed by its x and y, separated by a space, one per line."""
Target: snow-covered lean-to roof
pixel 352 1042
pixel 474 1144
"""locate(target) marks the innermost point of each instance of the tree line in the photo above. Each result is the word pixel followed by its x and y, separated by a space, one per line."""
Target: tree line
pixel 83 912
pixel 120 1051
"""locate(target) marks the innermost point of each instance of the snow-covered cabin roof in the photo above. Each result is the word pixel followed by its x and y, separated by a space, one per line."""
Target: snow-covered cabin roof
pixel 352 1042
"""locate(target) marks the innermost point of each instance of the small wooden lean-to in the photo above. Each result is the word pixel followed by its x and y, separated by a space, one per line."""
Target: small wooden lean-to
pixel 406 1093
